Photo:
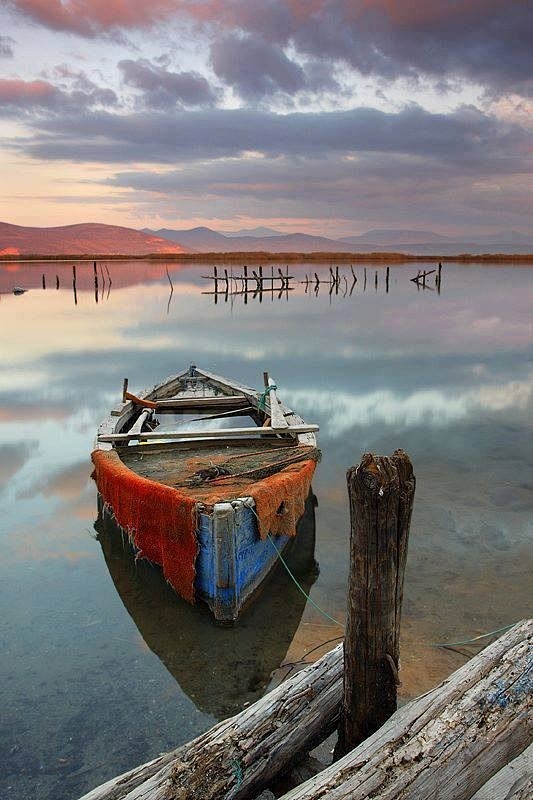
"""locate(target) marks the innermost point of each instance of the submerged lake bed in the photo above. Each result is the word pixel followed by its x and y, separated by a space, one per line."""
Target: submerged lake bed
pixel 103 667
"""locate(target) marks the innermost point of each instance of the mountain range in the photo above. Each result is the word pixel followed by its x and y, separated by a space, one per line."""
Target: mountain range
pixel 415 242
pixel 99 239
pixel 85 239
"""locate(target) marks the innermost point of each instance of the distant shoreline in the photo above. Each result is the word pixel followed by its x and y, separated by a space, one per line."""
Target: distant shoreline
pixel 319 257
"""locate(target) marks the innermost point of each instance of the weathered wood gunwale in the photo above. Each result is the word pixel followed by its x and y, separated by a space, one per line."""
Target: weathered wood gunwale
pixel 221 433
pixel 230 392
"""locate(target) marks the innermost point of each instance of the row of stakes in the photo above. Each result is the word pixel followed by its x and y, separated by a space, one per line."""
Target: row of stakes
pixel 19 290
pixel 256 282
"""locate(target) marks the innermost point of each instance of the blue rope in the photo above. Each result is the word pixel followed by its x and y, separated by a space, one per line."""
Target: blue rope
pixel 237 772
pixel 263 397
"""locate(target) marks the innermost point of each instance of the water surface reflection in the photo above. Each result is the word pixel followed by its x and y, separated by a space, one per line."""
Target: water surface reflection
pixel 447 377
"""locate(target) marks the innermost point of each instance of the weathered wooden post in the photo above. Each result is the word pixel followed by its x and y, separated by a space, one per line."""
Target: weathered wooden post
pixel 381 493
pixel 74 284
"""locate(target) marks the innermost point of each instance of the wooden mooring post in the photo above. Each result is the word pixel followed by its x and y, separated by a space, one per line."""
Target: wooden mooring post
pixel 74 284
pixel 381 493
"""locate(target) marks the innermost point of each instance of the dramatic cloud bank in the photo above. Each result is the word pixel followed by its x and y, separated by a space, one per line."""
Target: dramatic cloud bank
pixel 312 108
pixel 487 41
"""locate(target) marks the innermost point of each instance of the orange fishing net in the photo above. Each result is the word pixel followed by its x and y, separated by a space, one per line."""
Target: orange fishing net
pixel 280 498
pixel 160 520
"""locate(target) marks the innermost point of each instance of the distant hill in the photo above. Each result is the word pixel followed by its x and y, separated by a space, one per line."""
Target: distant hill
pixel 396 237
pixel 254 232
pixel 416 242
pixel 84 239
pixel 202 239
pixel 98 239
pixel 514 237
pixel 430 243
pixel 205 240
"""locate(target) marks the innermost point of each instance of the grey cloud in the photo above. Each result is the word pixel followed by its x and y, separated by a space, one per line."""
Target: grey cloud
pixel 6 49
pixel 162 88
pixel 391 187
pixel 485 42
pixel 254 67
pixel 12 459
pixel 464 136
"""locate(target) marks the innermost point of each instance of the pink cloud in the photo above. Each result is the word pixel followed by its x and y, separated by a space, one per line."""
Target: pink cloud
pixel 15 90
pixel 89 16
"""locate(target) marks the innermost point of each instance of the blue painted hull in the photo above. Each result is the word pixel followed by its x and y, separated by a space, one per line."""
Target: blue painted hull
pixel 232 561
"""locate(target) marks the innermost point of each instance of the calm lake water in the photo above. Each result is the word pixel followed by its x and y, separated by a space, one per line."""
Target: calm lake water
pixel 102 666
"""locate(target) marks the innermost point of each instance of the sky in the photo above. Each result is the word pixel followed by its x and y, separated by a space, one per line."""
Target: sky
pixel 321 116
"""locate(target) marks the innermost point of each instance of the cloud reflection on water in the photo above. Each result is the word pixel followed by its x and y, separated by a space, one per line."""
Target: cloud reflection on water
pixel 342 411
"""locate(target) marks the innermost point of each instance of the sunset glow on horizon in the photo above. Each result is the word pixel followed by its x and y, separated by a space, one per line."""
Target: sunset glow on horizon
pixel 327 118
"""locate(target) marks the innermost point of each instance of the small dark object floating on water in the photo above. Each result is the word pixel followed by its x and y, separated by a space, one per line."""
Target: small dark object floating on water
pixel 19 290
pixel 211 505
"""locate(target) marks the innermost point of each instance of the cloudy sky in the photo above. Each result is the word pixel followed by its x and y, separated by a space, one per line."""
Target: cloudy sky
pixel 323 116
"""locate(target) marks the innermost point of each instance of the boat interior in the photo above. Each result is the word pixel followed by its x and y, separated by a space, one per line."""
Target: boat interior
pixel 198 432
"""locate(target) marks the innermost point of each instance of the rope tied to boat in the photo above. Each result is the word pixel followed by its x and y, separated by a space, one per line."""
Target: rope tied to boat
pixel 263 397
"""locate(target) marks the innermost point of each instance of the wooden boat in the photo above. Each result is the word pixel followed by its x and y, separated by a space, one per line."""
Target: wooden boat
pixel 213 503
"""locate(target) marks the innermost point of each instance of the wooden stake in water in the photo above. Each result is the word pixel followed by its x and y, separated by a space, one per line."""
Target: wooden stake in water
pixel 74 284
pixel 381 494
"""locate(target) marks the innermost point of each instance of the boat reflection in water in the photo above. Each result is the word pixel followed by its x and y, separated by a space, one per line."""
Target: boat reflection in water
pixel 220 667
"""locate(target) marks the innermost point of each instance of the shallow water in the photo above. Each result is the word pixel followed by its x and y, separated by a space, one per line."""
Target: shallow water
pixel 102 667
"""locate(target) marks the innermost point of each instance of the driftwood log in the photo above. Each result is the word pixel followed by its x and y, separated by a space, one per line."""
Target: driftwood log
pixel 449 742
pixel 513 782
pixel 244 753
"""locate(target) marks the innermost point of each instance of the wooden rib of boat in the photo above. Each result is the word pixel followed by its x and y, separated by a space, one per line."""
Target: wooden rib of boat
pixel 209 479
